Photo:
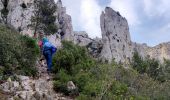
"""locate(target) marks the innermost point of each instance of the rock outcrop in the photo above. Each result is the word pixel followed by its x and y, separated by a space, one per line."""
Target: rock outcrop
pixel 1 7
pixel 65 22
pixel 21 11
pixel 115 43
pixel 20 17
pixel 140 48
pixel 115 37
pixel 160 52
pixel 81 38
pixel 94 46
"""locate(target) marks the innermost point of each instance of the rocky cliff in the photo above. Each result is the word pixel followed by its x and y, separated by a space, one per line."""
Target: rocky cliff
pixel 160 52
pixel 115 36
pixel 118 45
pixel 20 17
pixel 115 43
pixel 64 22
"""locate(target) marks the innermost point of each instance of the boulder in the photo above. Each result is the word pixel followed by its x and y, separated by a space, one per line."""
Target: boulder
pixel 70 86
pixel 81 38
pixel 23 78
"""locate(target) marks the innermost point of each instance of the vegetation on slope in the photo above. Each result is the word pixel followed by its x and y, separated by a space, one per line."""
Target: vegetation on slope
pixel 18 54
pixel 152 67
pixel 96 80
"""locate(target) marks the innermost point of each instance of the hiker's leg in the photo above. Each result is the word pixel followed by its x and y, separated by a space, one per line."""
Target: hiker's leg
pixel 49 61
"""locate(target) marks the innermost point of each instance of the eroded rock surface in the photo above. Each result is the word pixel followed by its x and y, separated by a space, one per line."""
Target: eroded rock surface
pixel 115 37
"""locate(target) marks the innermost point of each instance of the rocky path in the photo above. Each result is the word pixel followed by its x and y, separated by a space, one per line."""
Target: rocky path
pixel 27 88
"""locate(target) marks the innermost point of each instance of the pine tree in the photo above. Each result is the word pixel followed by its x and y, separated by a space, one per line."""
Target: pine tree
pixel 44 18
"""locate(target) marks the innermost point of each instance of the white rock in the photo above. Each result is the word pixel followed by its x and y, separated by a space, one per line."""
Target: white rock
pixel 5 87
pixel 11 98
pixel 26 85
pixel 115 37
pixel 23 78
pixel 41 85
pixel 71 86
pixel 81 38
pixel 66 25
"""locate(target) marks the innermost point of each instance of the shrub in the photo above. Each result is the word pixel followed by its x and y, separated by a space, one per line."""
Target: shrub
pixel 71 56
pixel 101 81
pixel 18 54
pixel 147 65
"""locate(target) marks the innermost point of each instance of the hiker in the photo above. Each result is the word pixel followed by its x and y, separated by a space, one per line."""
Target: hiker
pixel 48 51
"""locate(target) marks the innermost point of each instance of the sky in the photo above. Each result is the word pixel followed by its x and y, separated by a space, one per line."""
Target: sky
pixel 149 20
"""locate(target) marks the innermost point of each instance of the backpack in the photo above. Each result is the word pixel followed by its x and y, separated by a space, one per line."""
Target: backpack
pixel 53 49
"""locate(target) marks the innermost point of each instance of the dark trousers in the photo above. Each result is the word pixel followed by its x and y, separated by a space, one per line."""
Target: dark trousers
pixel 48 57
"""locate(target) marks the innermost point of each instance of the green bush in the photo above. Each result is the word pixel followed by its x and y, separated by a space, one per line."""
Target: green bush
pixel 44 17
pixel 71 58
pixel 72 63
pixel 101 81
pixel 18 54
pixel 146 65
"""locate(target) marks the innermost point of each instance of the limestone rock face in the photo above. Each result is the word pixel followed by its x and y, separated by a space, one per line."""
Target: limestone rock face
pixel 1 7
pixel 81 38
pixel 142 49
pixel 65 22
pixel 20 17
pixel 94 46
pixel 115 37
pixel 160 52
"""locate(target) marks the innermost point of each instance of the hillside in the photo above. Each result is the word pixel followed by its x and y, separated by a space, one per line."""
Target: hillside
pixel 109 68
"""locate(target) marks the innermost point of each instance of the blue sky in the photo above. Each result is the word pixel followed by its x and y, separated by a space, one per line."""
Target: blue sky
pixel 149 20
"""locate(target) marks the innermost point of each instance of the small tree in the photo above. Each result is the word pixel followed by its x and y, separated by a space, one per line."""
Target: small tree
pixel 44 18
pixel 138 63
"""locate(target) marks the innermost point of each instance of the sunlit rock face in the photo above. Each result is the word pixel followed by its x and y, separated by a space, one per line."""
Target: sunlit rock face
pixel 115 37
pixel 20 17
pixel 160 52
pixel 65 22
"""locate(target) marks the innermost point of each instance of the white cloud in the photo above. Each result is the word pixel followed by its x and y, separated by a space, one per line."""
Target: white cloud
pixel 154 8
pixel 90 17
pixel 85 15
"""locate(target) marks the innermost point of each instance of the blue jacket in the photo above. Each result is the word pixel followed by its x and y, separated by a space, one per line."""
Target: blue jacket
pixel 46 44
